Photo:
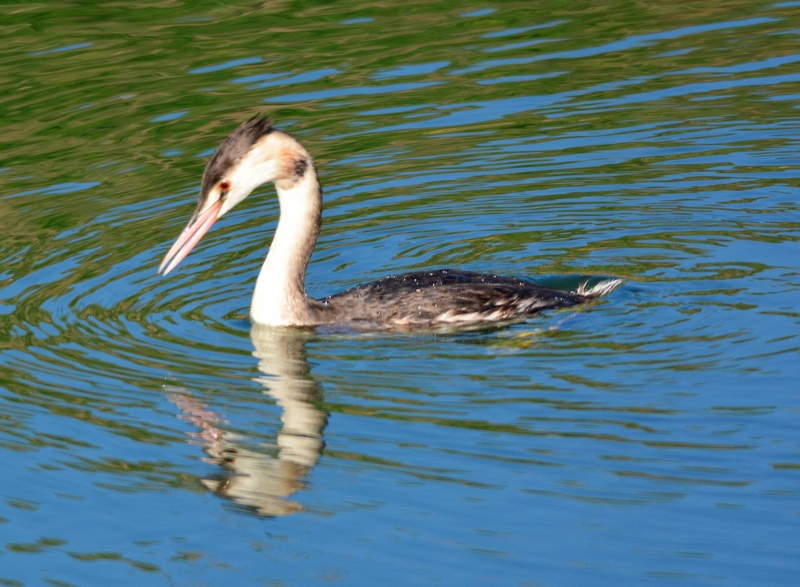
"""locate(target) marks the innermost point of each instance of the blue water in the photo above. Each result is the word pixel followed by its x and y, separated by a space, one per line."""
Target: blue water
pixel 149 437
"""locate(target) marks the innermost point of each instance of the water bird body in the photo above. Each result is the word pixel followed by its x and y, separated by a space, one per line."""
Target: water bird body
pixel 255 154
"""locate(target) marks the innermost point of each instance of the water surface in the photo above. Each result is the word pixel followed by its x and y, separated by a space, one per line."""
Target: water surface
pixel 148 437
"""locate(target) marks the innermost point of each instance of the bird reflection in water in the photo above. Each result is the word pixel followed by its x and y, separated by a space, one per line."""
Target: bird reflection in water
pixel 258 481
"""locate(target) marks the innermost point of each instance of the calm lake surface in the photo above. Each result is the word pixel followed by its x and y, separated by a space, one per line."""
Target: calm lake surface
pixel 148 437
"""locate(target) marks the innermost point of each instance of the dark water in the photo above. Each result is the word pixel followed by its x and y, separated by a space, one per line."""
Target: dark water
pixel 147 437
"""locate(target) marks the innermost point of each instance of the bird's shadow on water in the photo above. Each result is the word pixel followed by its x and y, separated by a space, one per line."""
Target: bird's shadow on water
pixel 260 482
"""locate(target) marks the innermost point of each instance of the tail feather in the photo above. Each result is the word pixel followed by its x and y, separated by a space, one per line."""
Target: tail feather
pixel 600 289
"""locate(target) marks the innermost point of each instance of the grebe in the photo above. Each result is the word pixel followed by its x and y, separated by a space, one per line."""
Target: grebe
pixel 255 154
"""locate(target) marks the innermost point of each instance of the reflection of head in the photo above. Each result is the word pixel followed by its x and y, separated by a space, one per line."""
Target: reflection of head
pixel 260 481
pixel 255 480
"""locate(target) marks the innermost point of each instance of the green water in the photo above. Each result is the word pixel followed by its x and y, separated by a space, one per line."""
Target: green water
pixel 148 437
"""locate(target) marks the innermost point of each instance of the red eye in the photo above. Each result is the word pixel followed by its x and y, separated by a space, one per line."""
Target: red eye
pixel 225 185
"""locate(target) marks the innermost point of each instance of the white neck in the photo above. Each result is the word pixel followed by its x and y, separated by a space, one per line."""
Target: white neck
pixel 280 297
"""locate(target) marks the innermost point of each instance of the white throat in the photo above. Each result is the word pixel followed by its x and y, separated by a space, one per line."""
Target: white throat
pixel 280 297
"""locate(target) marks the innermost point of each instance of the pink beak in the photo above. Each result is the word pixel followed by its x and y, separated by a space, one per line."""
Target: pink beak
pixel 190 236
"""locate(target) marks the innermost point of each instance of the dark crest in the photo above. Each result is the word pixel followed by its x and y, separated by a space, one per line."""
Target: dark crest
pixel 233 149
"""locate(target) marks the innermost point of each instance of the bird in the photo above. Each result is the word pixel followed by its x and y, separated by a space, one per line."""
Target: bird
pixel 257 153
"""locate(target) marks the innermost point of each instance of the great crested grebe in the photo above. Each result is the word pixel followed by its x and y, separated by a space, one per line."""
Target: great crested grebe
pixel 255 154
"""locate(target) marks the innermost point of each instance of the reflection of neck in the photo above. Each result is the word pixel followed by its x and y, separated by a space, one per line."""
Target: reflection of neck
pixel 254 478
pixel 287 379
pixel 280 297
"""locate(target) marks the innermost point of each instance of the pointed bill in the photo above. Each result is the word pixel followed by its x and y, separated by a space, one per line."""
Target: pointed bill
pixel 191 235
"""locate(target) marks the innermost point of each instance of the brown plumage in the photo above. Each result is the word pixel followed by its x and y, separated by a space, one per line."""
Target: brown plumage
pixel 232 149
pixel 446 296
